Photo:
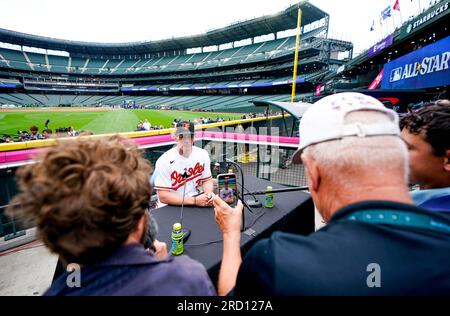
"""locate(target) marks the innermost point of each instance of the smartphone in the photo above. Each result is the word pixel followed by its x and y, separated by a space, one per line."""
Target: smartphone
pixel 227 188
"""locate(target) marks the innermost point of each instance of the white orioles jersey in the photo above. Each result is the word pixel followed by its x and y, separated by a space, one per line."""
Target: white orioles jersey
pixel 171 166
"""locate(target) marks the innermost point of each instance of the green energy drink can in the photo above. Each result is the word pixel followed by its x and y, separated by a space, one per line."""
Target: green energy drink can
pixel 177 240
pixel 269 198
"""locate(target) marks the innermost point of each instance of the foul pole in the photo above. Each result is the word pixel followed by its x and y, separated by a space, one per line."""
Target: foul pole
pixel 297 45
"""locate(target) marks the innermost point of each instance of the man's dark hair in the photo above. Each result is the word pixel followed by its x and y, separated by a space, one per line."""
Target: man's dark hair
pixel 185 127
pixel 34 128
pixel 434 123
pixel 47 130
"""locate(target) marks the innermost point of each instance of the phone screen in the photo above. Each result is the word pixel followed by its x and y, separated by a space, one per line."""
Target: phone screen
pixel 227 188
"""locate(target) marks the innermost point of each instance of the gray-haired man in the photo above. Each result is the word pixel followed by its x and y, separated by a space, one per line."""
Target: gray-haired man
pixel 376 241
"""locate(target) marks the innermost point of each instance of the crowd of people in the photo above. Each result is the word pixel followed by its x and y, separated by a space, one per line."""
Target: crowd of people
pixel 207 120
pixel 47 133
pixel 359 158
pixel 147 126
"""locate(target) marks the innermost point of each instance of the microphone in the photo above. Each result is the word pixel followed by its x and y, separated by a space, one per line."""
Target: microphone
pixel 152 231
pixel 279 190
pixel 186 232
pixel 248 203
pixel 253 203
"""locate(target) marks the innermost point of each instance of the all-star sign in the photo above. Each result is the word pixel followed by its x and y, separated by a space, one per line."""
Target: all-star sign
pixel 424 68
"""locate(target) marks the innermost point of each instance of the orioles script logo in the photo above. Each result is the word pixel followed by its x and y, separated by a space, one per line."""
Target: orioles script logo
pixel 177 178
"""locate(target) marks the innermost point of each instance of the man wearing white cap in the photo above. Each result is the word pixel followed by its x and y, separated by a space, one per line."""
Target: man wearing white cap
pixel 376 242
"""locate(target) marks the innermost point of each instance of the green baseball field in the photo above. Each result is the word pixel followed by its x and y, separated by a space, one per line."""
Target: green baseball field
pixel 95 120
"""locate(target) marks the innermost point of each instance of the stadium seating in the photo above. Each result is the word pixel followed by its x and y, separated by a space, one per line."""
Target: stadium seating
pixel 58 63
pixel 232 56
pixel 37 62
pixel 13 59
pixel 216 103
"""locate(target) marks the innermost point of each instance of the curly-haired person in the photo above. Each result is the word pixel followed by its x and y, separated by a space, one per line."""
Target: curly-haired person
pixel 89 201
pixel 427 134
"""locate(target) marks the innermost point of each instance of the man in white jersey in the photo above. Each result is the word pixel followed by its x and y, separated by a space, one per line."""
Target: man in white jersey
pixel 184 164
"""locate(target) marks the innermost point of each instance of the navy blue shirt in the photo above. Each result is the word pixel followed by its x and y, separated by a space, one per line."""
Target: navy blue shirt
pixel 335 259
pixel 132 270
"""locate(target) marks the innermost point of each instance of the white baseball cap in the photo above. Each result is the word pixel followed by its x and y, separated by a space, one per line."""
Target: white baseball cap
pixel 324 120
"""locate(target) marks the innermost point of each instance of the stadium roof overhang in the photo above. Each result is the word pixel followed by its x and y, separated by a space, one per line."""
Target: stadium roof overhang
pixel 268 24
pixel 295 109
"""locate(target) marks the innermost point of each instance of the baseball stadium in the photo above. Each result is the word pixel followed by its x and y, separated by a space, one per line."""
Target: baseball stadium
pixel 245 88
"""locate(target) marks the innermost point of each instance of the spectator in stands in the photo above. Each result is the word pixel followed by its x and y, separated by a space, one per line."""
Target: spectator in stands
pixel 34 135
pixel 23 136
pixel 427 134
pixel 147 126
pixel 174 123
pixel 61 132
pixel 47 133
pixel 72 132
pixel 89 200
pixel 184 164
pixel 356 165
pixel 139 126
pixel 6 139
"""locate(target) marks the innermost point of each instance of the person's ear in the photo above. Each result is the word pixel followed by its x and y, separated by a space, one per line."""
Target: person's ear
pixel 447 160
pixel 312 172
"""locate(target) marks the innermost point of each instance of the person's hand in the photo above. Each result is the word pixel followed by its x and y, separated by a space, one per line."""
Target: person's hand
pixel 160 249
pixel 202 200
pixel 228 218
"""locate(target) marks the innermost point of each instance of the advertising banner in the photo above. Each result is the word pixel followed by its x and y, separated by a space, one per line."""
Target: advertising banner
pixel 378 47
pixel 376 82
pixel 424 68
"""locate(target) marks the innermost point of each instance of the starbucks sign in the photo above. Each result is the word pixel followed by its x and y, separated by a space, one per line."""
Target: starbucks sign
pixel 433 14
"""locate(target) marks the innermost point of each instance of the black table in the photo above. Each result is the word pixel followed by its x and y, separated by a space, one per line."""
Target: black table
pixel 292 212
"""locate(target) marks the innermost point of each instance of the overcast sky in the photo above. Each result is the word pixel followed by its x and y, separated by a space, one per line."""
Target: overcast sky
pixel 142 20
